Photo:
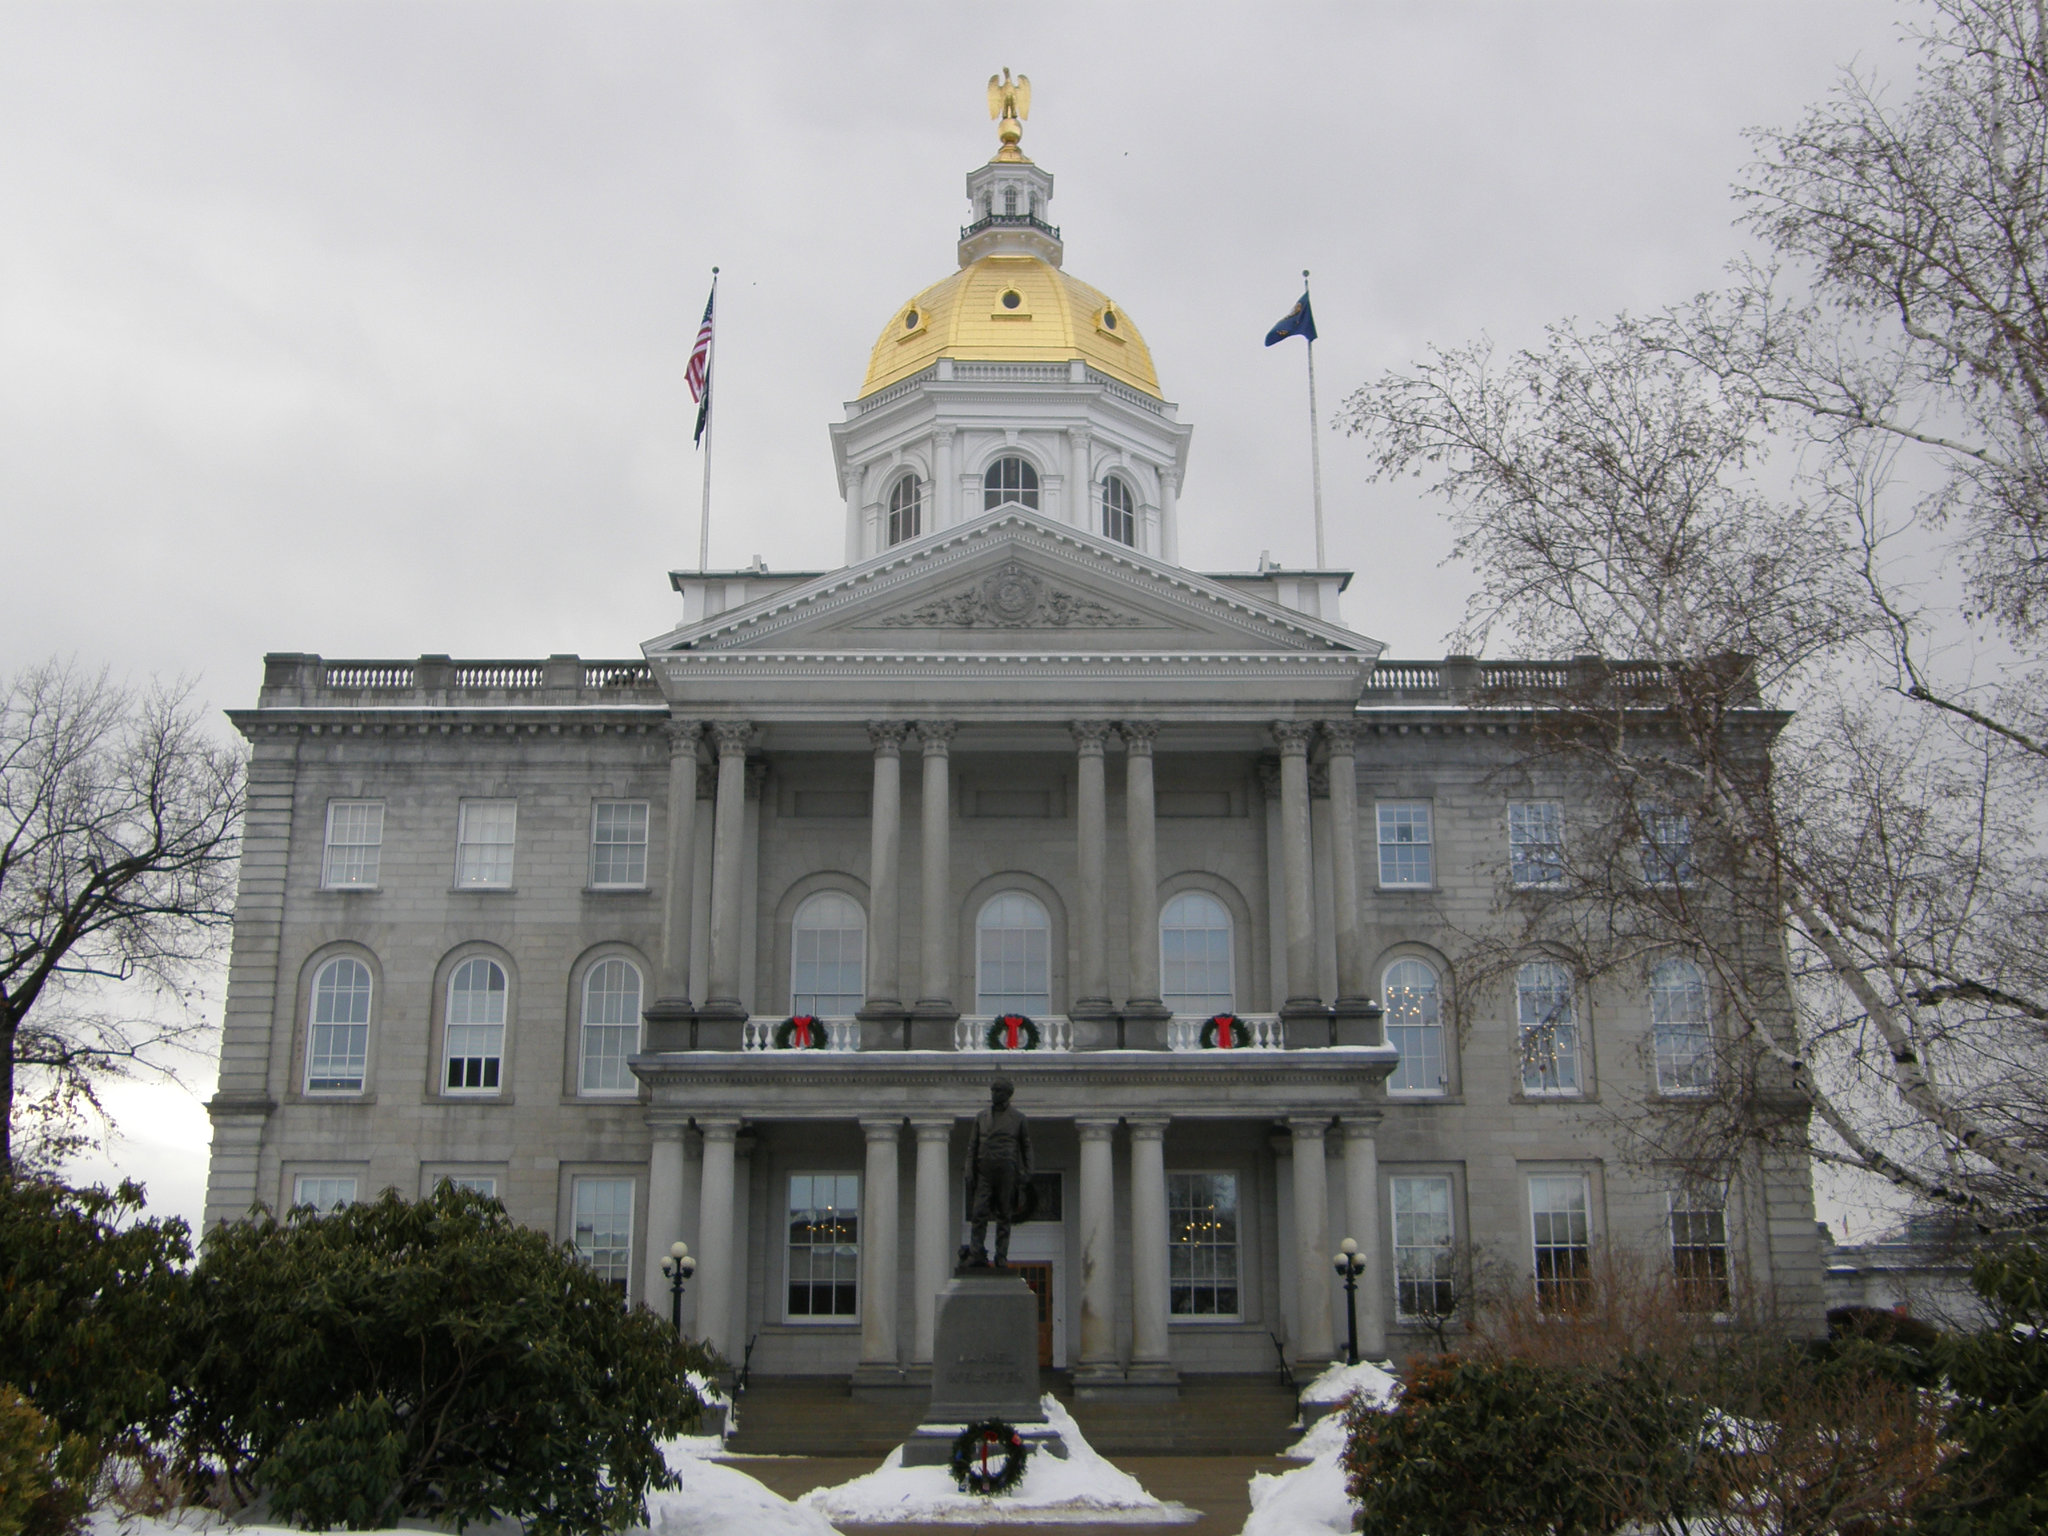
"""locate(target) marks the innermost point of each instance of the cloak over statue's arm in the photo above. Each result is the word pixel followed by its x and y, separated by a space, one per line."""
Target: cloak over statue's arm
pixel 1024 1145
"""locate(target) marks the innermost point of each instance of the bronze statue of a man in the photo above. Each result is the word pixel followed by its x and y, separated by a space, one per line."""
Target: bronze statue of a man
pixel 998 1176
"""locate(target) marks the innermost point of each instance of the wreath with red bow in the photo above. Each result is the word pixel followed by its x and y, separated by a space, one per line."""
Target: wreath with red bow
pixel 801 1032
pixel 1225 1032
pixel 988 1458
pixel 1012 1032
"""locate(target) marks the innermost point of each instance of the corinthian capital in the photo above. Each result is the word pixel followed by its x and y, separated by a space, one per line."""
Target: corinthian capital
pixel 683 736
pixel 1091 736
pixel 1138 736
pixel 1342 736
pixel 733 736
pixel 887 736
pixel 1294 736
pixel 937 736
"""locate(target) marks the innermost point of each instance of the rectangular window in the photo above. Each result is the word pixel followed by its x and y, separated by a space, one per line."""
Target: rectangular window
pixel 1667 848
pixel 1699 1250
pixel 824 1246
pixel 1425 1280
pixel 604 1228
pixel 1548 1033
pixel 1535 843
pixel 483 842
pixel 1560 1212
pixel 355 839
pixel 618 844
pixel 1405 843
pixel 1201 1224
pixel 322 1192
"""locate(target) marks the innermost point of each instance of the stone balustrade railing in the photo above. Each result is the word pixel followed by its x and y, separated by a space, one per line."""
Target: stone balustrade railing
pixel 1264 1031
pixel 970 1032
pixel 840 1035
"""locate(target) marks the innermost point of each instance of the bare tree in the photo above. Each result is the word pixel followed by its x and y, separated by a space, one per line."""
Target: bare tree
pixel 120 829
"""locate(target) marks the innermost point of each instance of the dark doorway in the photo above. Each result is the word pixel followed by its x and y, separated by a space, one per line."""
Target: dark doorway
pixel 1039 1278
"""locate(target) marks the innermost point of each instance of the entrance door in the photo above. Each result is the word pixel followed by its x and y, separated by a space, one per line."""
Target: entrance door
pixel 1039 1277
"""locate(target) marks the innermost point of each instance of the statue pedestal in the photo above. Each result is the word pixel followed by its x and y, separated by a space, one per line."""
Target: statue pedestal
pixel 984 1366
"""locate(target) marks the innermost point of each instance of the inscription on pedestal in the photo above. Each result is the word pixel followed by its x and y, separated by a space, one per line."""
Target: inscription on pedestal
pixel 985 1352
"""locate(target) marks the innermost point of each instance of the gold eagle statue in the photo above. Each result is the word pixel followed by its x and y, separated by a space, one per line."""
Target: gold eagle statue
pixel 1009 103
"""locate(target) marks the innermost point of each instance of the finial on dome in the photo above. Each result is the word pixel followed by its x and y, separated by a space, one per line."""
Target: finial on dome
pixel 1009 104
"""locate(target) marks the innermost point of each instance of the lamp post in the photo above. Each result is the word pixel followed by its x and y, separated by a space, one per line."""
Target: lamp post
pixel 679 1266
pixel 1350 1266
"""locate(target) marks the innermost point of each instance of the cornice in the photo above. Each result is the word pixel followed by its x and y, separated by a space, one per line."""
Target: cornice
pixel 383 720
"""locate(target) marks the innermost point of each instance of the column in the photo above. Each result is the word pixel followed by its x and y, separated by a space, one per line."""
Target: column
pixel 1092 827
pixel 935 993
pixel 1141 833
pixel 945 494
pixel 884 990
pixel 672 989
pixel 664 1207
pixel 1078 478
pixel 728 867
pixel 1098 1251
pixel 1296 871
pixel 931 1243
pixel 878 1239
pixel 1353 986
pixel 1362 1223
pixel 1149 1353
pixel 1169 518
pixel 1314 1341
pixel 716 1264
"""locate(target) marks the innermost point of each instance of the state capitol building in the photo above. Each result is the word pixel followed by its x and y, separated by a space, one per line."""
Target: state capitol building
pixel 537 926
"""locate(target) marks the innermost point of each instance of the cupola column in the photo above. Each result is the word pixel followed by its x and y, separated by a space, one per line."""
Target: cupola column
pixel 945 493
pixel 1077 476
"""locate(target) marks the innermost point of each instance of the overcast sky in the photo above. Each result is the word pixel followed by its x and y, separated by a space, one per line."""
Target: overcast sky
pixel 360 328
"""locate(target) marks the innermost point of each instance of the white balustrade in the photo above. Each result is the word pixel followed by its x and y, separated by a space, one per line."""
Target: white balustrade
pixel 840 1035
pixel 1265 1032
pixel 970 1032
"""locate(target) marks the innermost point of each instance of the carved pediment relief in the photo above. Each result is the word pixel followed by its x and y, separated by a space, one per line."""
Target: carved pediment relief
pixel 1010 597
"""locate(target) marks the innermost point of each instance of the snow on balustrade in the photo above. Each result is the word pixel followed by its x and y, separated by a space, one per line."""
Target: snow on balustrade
pixel 970 1033
pixel 1265 1031
pixel 617 674
pixel 840 1035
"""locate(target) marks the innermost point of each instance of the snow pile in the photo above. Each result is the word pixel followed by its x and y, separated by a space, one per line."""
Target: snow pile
pixel 1083 1489
pixel 1375 1383
pixel 1326 1434
pixel 1305 1502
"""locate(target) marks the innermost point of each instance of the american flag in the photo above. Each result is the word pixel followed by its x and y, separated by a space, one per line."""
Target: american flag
pixel 698 371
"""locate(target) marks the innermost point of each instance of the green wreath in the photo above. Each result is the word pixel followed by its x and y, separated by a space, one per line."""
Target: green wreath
pixel 999 1033
pixel 805 1029
pixel 975 1464
pixel 1212 1033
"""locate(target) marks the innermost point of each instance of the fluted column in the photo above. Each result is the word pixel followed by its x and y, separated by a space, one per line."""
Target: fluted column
pixel 931 1243
pixel 1150 1356
pixel 1141 834
pixel 884 989
pixel 1353 985
pixel 664 1207
pixel 879 1197
pixel 1098 1250
pixel 1092 829
pixel 1077 476
pixel 728 867
pixel 1296 870
pixel 945 492
pixel 673 987
pixel 716 1259
pixel 935 994
pixel 1362 1224
pixel 1314 1340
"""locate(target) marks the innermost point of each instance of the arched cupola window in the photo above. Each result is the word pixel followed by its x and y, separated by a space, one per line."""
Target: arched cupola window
pixel 1119 511
pixel 906 510
pixel 1009 479
pixel 1009 200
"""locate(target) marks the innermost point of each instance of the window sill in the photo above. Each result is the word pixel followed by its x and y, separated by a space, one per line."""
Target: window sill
pixel 309 1096
pixel 1404 890
pixel 617 890
pixel 349 890
pixel 1412 1096
pixel 1526 1097
pixel 811 1325
pixel 620 1097
pixel 1233 1320
pixel 483 890
pixel 471 1098
pixel 1681 1095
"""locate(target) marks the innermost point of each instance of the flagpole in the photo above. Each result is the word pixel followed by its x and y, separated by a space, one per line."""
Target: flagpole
pixel 1315 444
pixel 711 427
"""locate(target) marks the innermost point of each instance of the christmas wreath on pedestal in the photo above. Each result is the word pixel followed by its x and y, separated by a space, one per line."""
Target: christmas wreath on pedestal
pixel 1012 1032
pixel 800 1032
pixel 1225 1032
pixel 988 1458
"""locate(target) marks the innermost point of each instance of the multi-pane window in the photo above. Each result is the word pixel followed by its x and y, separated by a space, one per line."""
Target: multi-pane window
pixel 1013 956
pixel 1405 843
pixel 1425 1272
pixel 1535 843
pixel 618 844
pixel 338 1036
pixel 1667 848
pixel 476 1183
pixel 611 1026
pixel 604 1228
pixel 1548 1033
pixel 475 1028
pixel 1195 955
pixel 323 1192
pixel 1699 1250
pixel 1413 999
pixel 827 956
pixel 355 840
pixel 906 509
pixel 1201 1224
pixel 1678 1027
pixel 1009 479
pixel 824 1245
pixel 1560 1213
pixel 483 842
pixel 1119 511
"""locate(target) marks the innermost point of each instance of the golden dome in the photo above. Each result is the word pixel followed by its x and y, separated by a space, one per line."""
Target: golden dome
pixel 1011 308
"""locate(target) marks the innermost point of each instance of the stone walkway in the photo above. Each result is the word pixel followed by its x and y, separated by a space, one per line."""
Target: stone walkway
pixel 1216 1485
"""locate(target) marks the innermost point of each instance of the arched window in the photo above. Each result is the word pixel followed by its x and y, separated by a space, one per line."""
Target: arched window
pixel 1010 200
pixel 1010 479
pixel 1119 511
pixel 1547 1031
pixel 906 510
pixel 1195 955
pixel 338 1043
pixel 827 956
pixel 1413 998
pixel 1678 1023
pixel 1013 956
pixel 475 1029
pixel 611 1026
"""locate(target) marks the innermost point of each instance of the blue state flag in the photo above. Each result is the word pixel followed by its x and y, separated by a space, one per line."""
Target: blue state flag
pixel 1299 321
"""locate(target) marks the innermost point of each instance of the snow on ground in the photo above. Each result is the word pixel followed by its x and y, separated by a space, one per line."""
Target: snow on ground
pixel 1376 1383
pixel 1309 1501
pixel 1082 1489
